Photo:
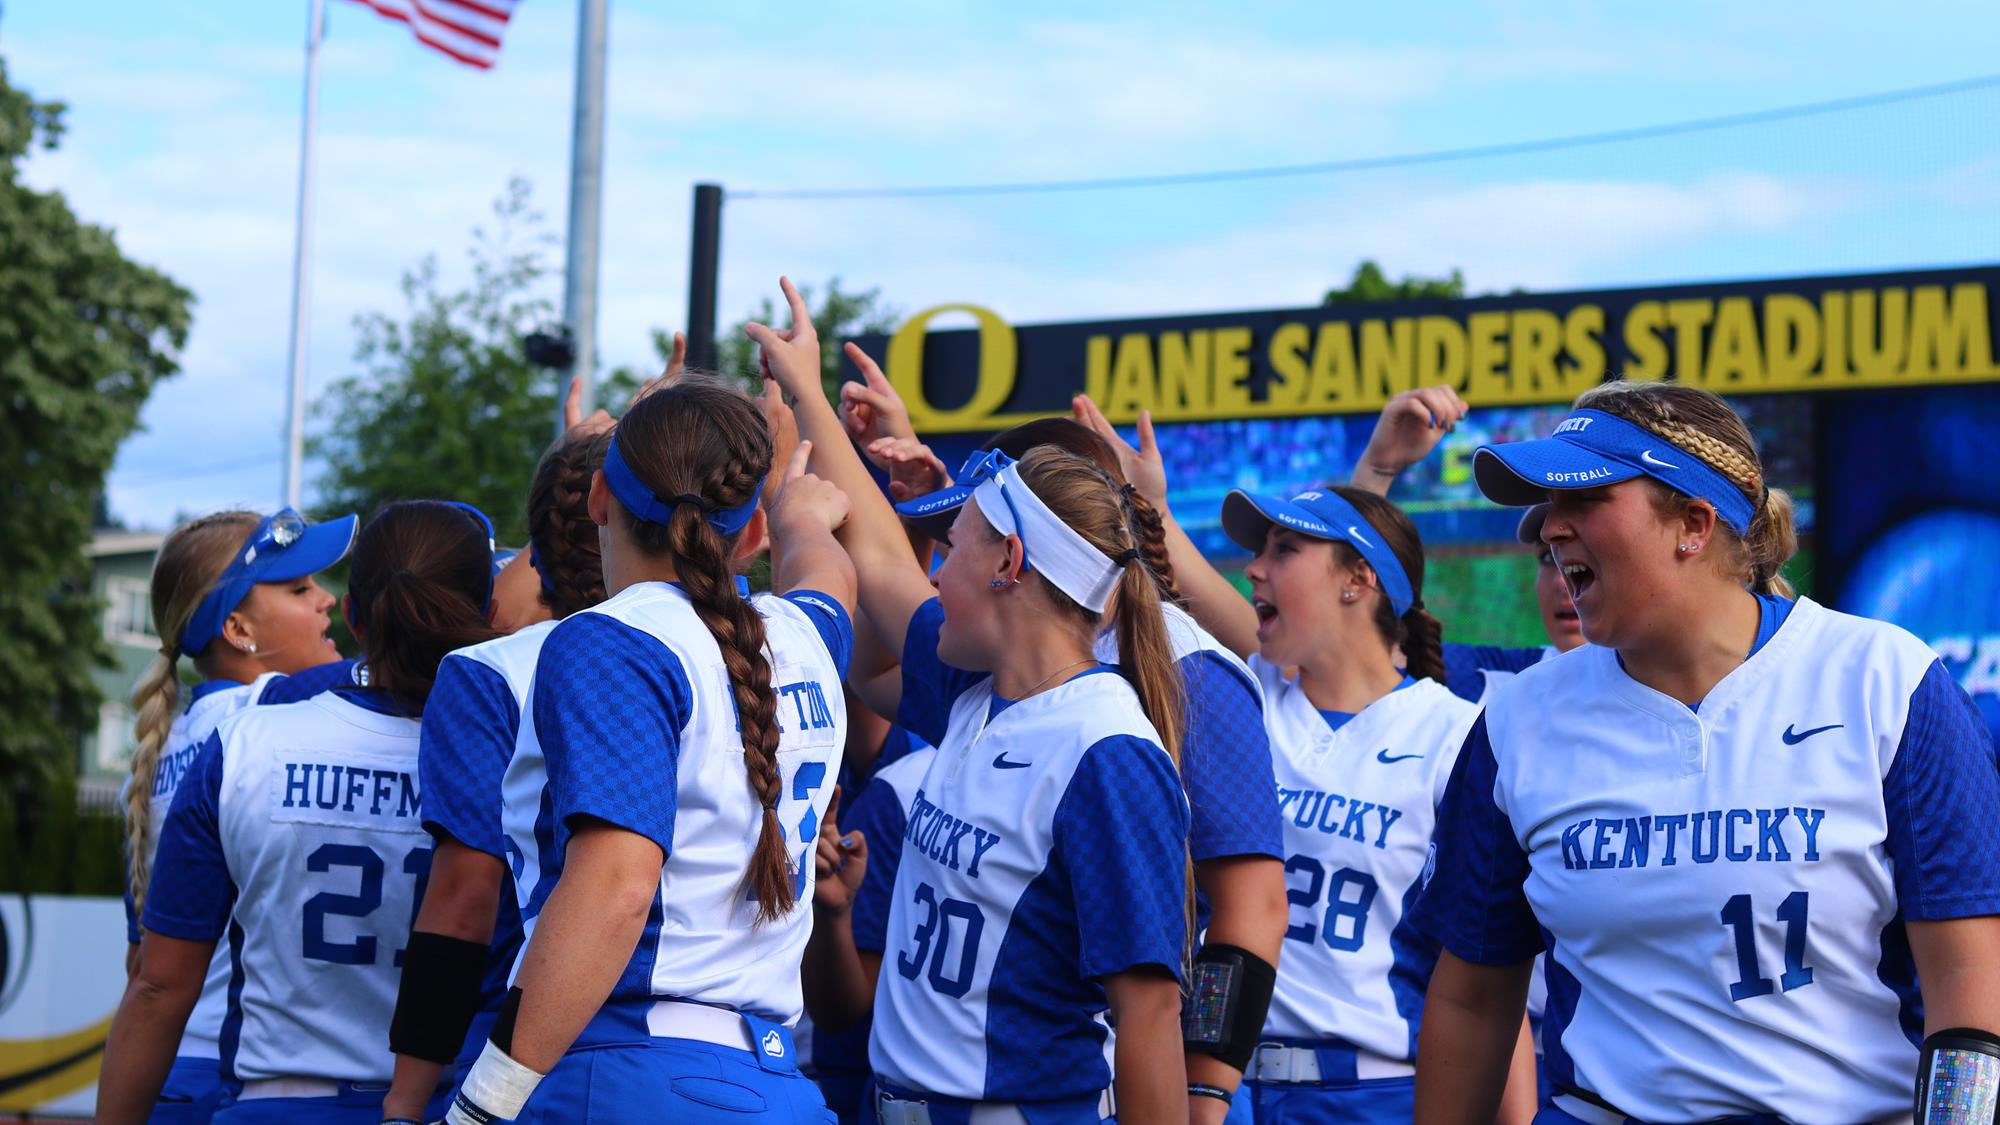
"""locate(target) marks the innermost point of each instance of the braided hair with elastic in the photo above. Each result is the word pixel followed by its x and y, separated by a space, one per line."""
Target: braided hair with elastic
pixel 565 539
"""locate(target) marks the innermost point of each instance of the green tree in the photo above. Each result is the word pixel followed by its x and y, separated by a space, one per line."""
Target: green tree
pixel 1371 285
pixel 85 334
pixel 446 404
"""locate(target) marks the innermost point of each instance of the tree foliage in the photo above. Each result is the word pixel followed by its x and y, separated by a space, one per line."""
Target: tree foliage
pixel 1371 285
pixel 85 334
pixel 445 404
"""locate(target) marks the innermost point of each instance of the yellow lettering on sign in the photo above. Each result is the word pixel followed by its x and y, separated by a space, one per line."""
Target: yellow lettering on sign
pixel 996 369
pixel 1583 339
pixel 1291 375
pixel 1134 386
pixel 1097 369
pixel 1735 361
pixel 1336 376
pixel 1833 311
pixel 1955 340
pixel 1534 336
pixel 1184 370
pixel 1688 318
pixel 1791 340
pixel 1440 353
pixel 1642 339
pixel 1232 369
pixel 1879 344
pixel 1388 359
pixel 1487 355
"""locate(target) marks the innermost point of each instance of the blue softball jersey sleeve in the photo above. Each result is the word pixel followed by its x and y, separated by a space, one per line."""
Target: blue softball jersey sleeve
pixel 190 893
pixel 930 686
pixel 1226 764
pixel 1476 901
pixel 470 722
pixel 609 704
pixel 1463 665
pixel 308 683
pixel 1940 795
pixel 878 813
pixel 1119 832
pixel 836 629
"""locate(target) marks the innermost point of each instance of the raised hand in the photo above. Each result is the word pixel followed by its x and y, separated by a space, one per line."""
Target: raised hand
pixel 839 862
pixel 574 422
pixel 913 469
pixel 1411 425
pixel 1142 466
pixel 871 409
pixel 784 438
pixel 791 356
pixel 804 500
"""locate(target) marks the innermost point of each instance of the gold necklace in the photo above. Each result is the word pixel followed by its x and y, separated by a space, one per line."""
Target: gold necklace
pixel 1053 675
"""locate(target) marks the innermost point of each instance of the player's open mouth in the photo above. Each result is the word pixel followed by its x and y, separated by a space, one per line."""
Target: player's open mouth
pixel 1578 578
pixel 1266 613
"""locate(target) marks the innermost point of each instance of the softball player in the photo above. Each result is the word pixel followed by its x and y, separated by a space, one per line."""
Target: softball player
pixel 1744 827
pixel 1043 875
pixel 467 933
pixel 663 798
pixel 309 813
pixel 234 592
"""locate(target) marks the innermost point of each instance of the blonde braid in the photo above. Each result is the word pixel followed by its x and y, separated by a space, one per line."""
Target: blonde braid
pixel 156 699
pixel 1720 455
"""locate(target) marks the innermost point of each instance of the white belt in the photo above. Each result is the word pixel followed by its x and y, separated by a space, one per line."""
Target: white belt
pixel 1590 1113
pixel 892 1110
pixel 678 1019
pixel 289 1088
pixel 1276 1063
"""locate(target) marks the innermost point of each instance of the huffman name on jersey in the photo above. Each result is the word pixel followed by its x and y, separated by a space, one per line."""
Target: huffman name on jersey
pixel 1777 835
pixel 347 788
pixel 1340 816
pixel 942 836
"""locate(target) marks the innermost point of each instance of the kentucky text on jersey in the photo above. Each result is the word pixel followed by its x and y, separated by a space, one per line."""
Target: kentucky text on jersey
pixel 940 836
pixel 1734 835
pixel 323 786
pixel 1336 815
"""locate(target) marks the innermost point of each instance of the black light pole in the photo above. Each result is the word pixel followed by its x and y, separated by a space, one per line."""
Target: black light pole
pixel 704 253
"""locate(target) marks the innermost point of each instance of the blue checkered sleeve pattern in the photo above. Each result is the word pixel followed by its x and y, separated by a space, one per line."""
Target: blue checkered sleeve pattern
pixel 308 683
pixel 470 722
pixel 880 816
pixel 1940 795
pixel 1476 900
pixel 1120 834
pixel 930 686
pixel 190 893
pixel 1463 665
pixel 836 628
pixel 1226 764
pixel 609 705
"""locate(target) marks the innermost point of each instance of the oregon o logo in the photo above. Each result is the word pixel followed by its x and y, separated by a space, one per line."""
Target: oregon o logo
pixel 997 357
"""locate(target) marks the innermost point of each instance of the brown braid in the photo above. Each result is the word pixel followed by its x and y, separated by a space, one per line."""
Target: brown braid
pixel 565 538
pixel 701 437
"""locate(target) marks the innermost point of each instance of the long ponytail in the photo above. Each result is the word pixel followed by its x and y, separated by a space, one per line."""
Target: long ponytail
pixel 188 565
pixel 420 570
pixel 705 441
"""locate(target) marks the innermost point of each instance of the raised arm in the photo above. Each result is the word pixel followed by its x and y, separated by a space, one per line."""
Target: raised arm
pixel 891 583
pixel 804 554
pixel 1216 604
pixel 1411 425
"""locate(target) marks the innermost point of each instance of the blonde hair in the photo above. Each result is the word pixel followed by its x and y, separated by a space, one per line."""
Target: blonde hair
pixel 1085 497
pixel 189 563
pixel 1709 428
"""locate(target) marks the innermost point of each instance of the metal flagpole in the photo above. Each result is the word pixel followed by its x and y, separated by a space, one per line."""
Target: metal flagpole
pixel 586 197
pixel 295 399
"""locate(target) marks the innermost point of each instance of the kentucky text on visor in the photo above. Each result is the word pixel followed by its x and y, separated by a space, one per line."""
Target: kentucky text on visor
pixel 1065 558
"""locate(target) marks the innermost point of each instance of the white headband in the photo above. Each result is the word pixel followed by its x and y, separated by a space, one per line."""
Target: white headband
pixel 1049 545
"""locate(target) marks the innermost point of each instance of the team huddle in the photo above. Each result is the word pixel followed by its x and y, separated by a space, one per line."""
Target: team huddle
pixel 1004 805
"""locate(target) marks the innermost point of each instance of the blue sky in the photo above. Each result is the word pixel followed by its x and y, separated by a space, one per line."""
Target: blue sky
pixel 184 131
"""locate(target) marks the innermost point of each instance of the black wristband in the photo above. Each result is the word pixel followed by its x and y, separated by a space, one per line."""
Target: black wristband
pixel 1204 1090
pixel 438 996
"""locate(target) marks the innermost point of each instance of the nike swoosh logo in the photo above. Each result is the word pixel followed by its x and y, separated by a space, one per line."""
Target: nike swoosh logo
pixel 1382 756
pixel 1355 533
pixel 1000 762
pixel 1646 455
pixel 1793 738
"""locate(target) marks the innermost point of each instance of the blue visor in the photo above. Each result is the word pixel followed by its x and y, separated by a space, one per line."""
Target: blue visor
pixel 934 511
pixel 1591 449
pixel 651 508
pixel 1247 518
pixel 283 547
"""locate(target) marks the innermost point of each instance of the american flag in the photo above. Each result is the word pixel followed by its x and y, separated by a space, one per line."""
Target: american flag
pixel 466 30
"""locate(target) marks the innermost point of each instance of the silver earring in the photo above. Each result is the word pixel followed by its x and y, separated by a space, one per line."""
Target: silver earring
pixel 1690 548
pixel 1347 595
